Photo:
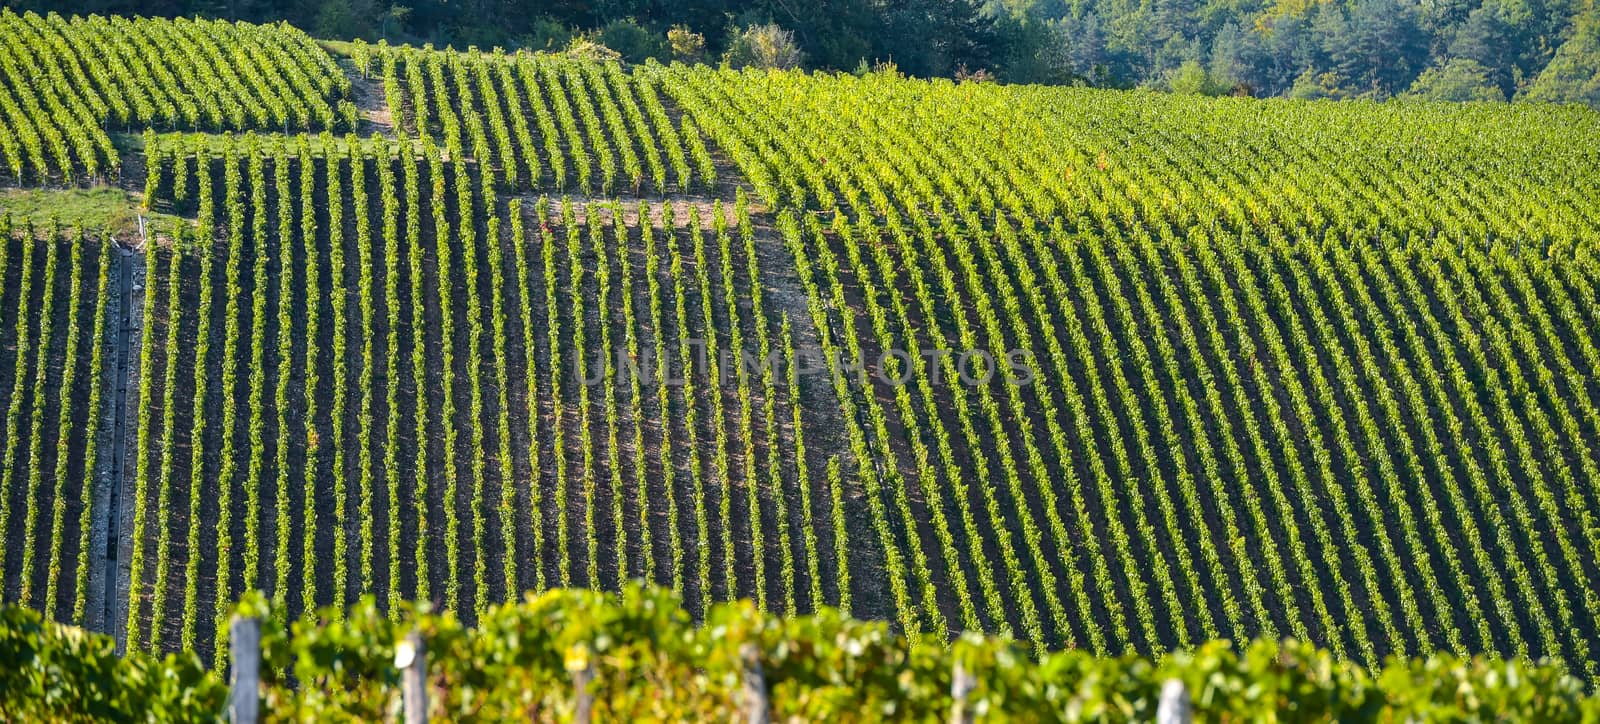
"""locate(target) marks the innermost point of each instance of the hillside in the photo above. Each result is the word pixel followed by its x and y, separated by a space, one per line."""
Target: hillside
pixel 1120 371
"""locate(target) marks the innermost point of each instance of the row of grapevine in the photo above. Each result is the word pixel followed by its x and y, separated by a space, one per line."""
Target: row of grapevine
pixel 45 128
pixel 59 299
pixel 1347 171
pixel 518 659
pixel 542 122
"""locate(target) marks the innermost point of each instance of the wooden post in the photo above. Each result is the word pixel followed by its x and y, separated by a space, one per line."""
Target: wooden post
pixel 962 682
pixel 583 708
pixel 244 698
pixel 756 707
pixel 1174 705
pixel 412 659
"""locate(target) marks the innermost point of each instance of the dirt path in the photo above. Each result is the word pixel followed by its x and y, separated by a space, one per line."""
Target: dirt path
pixel 110 604
pixel 367 94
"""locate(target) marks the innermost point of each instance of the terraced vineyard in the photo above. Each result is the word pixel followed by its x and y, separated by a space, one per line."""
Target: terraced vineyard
pixel 1317 370
pixel 60 306
pixel 378 373
pixel 66 82
pixel 545 123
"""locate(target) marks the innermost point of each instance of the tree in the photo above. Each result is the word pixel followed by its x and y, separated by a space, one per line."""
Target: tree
pixel 1573 75
pixel 546 34
pixel 1237 58
pixel 1288 46
pixel 633 41
pixel 763 46
pixel 345 19
pixel 589 48
pixel 934 37
pixel 1066 50
pixel 1310 86
pixel 1383 48
pixel 831 33
pixel 394 17
pixel 1488 39
pixel 1191 78
pixel 1460 79
pixel 1082 45
pixel 687 46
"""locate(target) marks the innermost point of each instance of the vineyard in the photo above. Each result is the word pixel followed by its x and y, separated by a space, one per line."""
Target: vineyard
pixel 60 306
pixel 586 117
pixel 1275 171
pixel 453 325
pixel 67 82
pixel 386 374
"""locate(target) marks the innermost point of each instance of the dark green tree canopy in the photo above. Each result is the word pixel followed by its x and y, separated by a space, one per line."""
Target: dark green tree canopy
pixel 1546 50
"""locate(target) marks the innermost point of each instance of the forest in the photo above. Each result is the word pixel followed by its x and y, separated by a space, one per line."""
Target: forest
pixel 1454 50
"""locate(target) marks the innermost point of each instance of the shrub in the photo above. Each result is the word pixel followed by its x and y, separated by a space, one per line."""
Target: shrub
pixel 632 41
pixel 650 660
pixel 1461 79
pixel 763 46
pixel 548 35
pixel 1191 78
pixel 50 672
pixel 589 48
pixel 687 45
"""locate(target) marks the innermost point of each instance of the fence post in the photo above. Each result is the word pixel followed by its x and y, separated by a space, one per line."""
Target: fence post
pixel 583 709
pixel 412 659
pixel 244 697
pixel 962 682
pixel 756 706
pixel 1174 705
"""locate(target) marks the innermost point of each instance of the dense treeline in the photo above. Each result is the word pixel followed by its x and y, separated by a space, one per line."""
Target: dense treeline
pixel 928 37
pixel 1490 50
pixel 1476 50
